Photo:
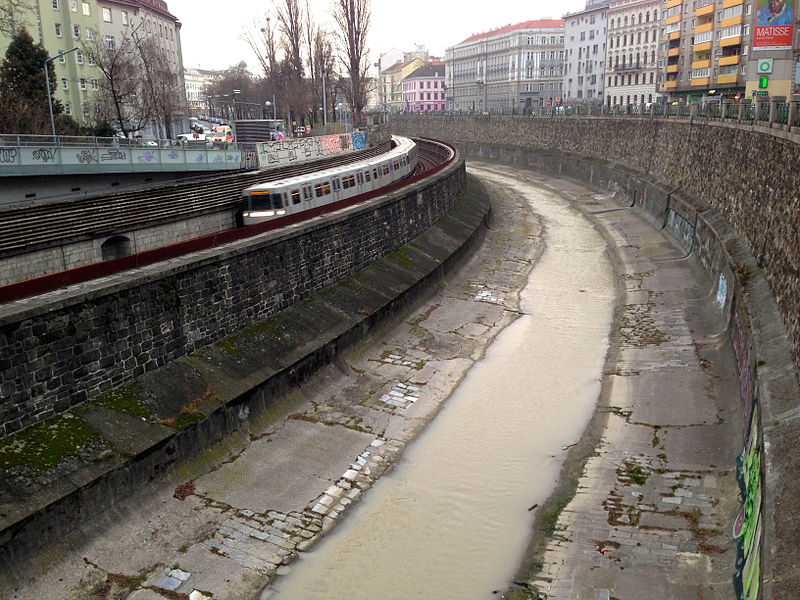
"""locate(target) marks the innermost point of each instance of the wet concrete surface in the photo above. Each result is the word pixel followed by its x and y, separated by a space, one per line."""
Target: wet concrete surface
pixel 653 507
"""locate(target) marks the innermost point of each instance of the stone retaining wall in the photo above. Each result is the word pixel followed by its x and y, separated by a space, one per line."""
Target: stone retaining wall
pixel 716 190
pixel 63 348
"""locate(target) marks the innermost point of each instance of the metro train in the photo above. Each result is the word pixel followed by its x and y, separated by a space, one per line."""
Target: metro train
pixel 281 197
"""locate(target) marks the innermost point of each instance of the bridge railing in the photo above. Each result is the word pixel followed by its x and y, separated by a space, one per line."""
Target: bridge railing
pixel 49 155
pixel 767 111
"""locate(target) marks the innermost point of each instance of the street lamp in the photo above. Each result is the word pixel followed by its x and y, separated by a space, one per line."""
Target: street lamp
pixel 47 84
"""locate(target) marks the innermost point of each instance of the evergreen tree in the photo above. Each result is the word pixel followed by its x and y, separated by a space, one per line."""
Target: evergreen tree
pixel 22 71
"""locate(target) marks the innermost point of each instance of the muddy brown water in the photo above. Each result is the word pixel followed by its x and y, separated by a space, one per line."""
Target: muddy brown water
pixel 453 518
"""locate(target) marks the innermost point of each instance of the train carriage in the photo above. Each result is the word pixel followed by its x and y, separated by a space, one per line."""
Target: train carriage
pixel 275 199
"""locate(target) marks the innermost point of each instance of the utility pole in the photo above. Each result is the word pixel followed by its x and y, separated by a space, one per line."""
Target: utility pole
pixel 47 85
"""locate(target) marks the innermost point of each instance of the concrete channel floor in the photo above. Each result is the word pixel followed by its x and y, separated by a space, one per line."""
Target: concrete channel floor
pixel 653 507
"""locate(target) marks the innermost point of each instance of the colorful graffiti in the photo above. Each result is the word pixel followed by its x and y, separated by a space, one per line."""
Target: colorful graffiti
pixel 747 527
pixel 306 149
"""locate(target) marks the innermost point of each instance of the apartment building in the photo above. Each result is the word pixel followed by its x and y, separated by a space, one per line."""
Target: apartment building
pixel 423 90
pixel 632 52
pixel 515 67
pixel 585 35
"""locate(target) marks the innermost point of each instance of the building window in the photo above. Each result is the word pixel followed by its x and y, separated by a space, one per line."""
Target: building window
pixel 110 42
pixel 89 33
pixel 107 15
pixel 64 83
pixel 124 17
pixel 87 11
pixel 79 57
pixel 59 32
pixel 55 5
pixel 91 59
pixel 76 32
pixel 62 59
pixel 95 85
pixel 67 109
pixel 82 83
pixel 85 109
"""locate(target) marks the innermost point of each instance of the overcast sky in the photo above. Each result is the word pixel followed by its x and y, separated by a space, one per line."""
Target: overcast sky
pixel 211 29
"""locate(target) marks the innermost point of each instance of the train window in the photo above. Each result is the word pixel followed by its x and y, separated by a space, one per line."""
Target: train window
pixel 374 173
pixel 318 190
pixel 326 187
pixel 336 185
pixel 295 196
pixel 307 192
pixel 348 182
pixel 396 165
pixel 385 169
pixel 265 200
pixel 360 178
pixel 366 176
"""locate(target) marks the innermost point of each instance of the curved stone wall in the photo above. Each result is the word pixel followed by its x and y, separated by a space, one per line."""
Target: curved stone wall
pixel 727 194
pixel 63 348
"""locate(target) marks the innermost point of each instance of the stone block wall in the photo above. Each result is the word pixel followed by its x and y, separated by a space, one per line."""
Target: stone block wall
pixel 724 201
pixel 61 349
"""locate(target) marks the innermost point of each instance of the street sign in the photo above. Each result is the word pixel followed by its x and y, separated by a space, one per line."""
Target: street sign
pixel 764 66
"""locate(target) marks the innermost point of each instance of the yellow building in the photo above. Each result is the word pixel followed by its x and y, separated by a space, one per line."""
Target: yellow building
pixel 392 83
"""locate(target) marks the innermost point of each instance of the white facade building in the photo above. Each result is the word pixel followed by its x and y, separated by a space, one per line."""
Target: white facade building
pixel 632 52
pixel 516 67
pixel 585 53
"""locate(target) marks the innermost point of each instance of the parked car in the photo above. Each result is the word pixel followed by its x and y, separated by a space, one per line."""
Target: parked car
pixel 191 137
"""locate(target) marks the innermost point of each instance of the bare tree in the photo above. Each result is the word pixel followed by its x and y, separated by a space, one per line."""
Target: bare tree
pixel 353 19
pixel 122 95
pixel 163 83
pixel 290 25
pixel 261 39
pixel 324 66
pixel 14 15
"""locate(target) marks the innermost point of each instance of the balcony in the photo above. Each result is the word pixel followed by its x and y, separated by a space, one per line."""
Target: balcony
pixel 702 47
pixel 672 3
pixel 730 60
pixel 704 27
pixel 728 78
pixel 705 10
pixel 729 3
pixel 673 19
pixel 677 51
pixel 701 64
pixel 734 40
pixel 733 21
pixel 670 84
pixel 672 68
pixel 700 81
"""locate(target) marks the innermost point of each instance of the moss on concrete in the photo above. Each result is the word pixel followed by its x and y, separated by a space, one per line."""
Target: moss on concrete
pixel 128 399
pixel 42 447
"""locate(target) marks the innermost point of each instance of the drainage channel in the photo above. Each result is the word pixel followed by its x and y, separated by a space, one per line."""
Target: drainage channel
pixel 453 518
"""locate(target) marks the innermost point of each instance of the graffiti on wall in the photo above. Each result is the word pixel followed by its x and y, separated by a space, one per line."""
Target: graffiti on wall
pixel 722 291
pixel 747 526
pixel 298 150
pixel 680 228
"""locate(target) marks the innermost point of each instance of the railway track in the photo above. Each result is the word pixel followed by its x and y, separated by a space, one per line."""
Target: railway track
pixel 28 229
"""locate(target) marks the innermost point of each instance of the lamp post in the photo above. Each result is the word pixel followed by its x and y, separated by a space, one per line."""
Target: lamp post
pixel 47 85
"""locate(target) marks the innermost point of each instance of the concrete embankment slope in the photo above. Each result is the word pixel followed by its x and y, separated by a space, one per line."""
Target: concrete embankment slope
pixel 700 184
pixel 75 465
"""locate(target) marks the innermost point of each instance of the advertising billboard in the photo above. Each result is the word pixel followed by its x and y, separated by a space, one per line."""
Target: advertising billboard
pixel 774 25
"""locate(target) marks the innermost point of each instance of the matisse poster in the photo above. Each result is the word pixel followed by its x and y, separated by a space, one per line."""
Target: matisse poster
pixel 774 25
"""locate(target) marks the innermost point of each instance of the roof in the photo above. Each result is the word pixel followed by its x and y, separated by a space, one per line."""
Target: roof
pixel 540 24
pixel 399 66
pixel 428 72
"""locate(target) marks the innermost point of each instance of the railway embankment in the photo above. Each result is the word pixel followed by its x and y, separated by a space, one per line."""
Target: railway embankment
pixel 128 376
pixel 698 181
